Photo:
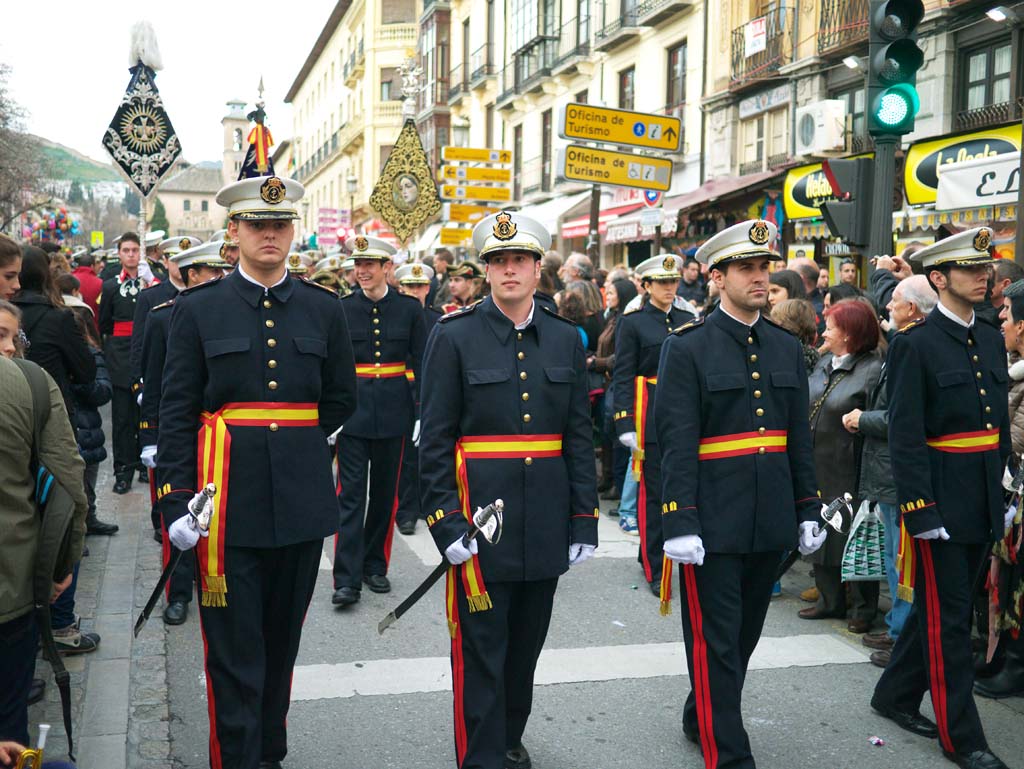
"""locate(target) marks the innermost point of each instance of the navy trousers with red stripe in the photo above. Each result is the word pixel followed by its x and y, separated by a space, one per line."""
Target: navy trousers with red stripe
pixel 933 651
pixel 251 645
pixel 648 508
pixel 409 485
pixel 365 532
pixel 494 656
pixel 724 603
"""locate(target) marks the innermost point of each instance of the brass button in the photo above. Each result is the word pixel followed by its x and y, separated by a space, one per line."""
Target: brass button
pixel 376 376
pixel 521 355
pixel 526 396
pixel 271 343
pixel 376 343
pixel 374 310
pixel 970 343
pixel 982 391
pixel 974 358
pixel 272 384
pixel 760 430
pixel 272 363
pixel 376 321
pixel 757 393
pixel 527 417
pixel 376 354
pixel 522 375
pixel 750 340
pixel 376 332
pixel 269 323
pixel 267 304
pixel 519 335
pixel 760 412
pixel 988 425
pixel 273 427
pixel 376 365
pixel 755 375
pixel 988 409
pixel 528 461
pixel 753 359
pixel 978 375
pixel 761 450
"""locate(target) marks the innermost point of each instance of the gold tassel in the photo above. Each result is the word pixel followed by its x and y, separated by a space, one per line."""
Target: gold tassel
pixel 905 593
pixel 480 602
pixel 665 608
pixel 666 587
pixel 452 628
pixel 215 590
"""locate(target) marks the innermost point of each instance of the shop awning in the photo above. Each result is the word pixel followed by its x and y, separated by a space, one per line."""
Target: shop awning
pixel 629 229
pixel 722 187
pixel 927 218
pixel 816 229
pixel 550 211
pixel 580 227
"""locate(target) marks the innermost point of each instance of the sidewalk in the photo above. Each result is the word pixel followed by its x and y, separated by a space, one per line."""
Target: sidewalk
pixel 123 723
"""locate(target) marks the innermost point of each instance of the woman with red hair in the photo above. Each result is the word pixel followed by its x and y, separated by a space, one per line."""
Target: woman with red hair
pixel 840 383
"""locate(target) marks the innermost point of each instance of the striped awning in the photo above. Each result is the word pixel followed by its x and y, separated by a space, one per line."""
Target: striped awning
pixel 927 218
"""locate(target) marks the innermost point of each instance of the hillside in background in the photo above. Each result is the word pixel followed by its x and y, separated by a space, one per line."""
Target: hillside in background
pixel 66 163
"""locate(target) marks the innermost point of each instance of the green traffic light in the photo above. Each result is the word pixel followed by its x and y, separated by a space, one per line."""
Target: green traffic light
pixel 897 105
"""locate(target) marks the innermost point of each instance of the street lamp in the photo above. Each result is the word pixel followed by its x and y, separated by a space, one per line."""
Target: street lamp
pixel 353 184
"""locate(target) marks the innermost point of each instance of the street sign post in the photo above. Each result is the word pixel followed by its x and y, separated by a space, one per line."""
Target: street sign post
pixel 475 192
pixel 476 155
pixel 624 169
pixel 586 122
pixel 475 174
pixel 464 213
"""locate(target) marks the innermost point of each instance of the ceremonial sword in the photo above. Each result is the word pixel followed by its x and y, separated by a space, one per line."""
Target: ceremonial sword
pixel 200 511
pixel 832 517
pixel 487 521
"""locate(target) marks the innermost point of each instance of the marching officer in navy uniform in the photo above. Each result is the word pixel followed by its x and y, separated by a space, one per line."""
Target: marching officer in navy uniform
pixel 388 337
pixel 192 266
pixel 154 264
pixel 738 481
pixel 116 322
pixel 638 341
pixel 506 415
pixel 949 438
pixel 413 280
pixel 259 372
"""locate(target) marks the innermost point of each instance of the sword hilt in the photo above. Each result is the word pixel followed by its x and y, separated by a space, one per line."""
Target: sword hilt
pixel 200 509
pixel 829 514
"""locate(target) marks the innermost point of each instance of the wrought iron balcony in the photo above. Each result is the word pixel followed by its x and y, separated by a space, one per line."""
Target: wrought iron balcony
pixel 573 45
pixel 843 25
pixel 650 12
pixel 751 167
pixel 434 95
pixel 530 65
pixel 531 176
pixel 619 30
pixel 762 62
pixel 459 85
pixel 984 117
pixel 481 65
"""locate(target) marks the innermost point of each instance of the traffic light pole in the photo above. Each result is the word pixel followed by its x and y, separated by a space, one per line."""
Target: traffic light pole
pixel 880 241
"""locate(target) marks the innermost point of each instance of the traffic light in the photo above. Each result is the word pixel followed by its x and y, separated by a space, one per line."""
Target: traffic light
pixel 893 61
pixel 849 216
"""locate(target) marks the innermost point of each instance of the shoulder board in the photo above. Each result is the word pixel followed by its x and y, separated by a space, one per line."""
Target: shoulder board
pixel 198 287
pixel 462 311
pixel 554 314
pixel 308 282
pixel 767 319
pixel 168 303
pixel 912 325
pixel 689 326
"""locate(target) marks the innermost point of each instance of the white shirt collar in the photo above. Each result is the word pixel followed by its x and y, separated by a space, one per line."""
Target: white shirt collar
pixel 251 279
pixel 954 317
pixel 525 323
pixel 743 322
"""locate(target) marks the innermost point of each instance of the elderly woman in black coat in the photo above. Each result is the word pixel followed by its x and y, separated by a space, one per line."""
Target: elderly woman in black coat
pixel 841 382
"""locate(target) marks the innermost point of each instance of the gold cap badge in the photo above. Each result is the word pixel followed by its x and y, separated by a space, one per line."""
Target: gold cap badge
pixel 185 244
pixel 759 233
pixel 983 240
pixel 224 249
pixel 362 243
pixel 294 260
pixel 669 264
pixel 504 229
pixel 272 191
pixel 417 271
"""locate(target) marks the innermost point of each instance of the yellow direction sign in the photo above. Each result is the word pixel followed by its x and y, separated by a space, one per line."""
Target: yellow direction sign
pixel 620 126
pixel 471 192
pixel 454 236
pixel 476 155
pixel 96 239
pixel 623 169
pixel 468 214
pixel 475 174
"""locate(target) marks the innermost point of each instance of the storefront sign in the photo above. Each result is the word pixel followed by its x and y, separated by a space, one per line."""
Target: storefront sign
pixel 980 182
pixel 805 189
pixel 632 229
pixel 921 173
pixel 764 101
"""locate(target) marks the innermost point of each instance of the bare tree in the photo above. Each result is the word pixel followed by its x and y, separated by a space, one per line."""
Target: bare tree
pixel 22 165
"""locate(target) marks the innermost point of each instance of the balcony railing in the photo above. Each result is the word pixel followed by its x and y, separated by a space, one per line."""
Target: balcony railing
pixel 984 117
pixel 751 167
pixel 573 43
pixel 433 95
pixel 397 34
pixel 768 54
pixel 651 12
pixel 619 30
pixel 459 85
pixel 481 64
pixel 843 24
pixel 779 160
pixel 531 176
pixel 769 163
pixel 528 68
pixel 386 111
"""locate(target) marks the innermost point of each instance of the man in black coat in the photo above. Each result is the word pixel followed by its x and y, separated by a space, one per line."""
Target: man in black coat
pixel 737 464
pixel 259 372
pixel 949 436
pixel 505 416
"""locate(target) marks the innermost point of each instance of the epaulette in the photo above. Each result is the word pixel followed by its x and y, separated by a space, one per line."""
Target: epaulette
pixel 554 314
pixel 308 282
pixel 462 311
pixel 168 303
pixel 913 324
pixel 767 319
pixel 197 286
pixel 688 326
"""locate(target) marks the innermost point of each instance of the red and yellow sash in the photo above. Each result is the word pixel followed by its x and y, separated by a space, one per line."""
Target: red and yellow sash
pixel 966 443
pixel 261 140
pixel 905 565
pixel 214 457
pixel 487 447
pixel 380 370
pixel 640 403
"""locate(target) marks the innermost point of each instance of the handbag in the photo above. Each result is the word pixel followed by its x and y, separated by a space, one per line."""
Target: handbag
pixel 864 553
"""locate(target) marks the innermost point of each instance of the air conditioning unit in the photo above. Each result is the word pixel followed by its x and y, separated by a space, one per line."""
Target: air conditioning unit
pixel 821 127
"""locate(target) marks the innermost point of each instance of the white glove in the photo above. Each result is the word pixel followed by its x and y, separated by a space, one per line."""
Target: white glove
pixel 688 549
pixel 457 553
pixel 148 456
pixel 184 533
pixel 578 553
pixel 811 538
pixel 138 400
pixel 939 533
pixel 629 441
pixel 1009 516
pixel 416 433
pixel 333 437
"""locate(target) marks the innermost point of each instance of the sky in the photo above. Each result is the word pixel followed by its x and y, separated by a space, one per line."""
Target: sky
pixel 70 64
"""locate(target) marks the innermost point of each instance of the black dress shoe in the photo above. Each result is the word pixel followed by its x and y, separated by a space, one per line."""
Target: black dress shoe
pixel 143 475
pixel 158 536
pixel 813 612
pixel 407 527
pixel 655 585
pixel 518 758
pixel 122 485
pixel 346 596
pixel 378 583
pixel 36 690
pixel 912 722
pixel 175 613
pixel 99 528
pixel 979 759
